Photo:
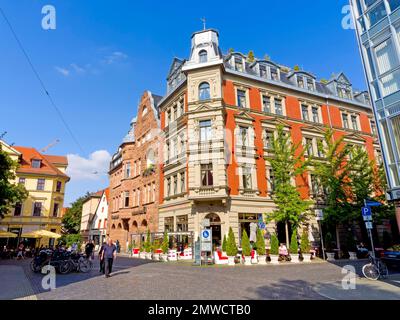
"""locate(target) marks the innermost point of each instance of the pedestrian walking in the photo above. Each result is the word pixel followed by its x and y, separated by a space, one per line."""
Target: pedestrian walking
pixel 20 254
pixel 117 246
pixel 109 254
pixel 102 258
pixel 89 249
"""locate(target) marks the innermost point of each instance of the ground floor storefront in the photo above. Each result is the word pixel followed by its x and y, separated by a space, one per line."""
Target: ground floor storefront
pixel 20 229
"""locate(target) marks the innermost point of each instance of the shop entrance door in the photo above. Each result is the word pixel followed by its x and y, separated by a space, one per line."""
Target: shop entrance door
pixel 215 224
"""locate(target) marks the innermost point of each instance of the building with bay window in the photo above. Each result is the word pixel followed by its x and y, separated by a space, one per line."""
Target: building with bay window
pixel 218 119
pixel 378 32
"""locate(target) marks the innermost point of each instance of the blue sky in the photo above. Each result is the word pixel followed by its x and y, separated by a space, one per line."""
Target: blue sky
pixel 104 54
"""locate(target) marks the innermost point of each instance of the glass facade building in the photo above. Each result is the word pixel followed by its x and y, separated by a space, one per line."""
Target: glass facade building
pixel 378 31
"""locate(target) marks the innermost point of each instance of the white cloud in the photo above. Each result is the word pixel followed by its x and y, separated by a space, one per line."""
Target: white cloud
pixel 95 167
pixel 63 71
pixel 77 68
pixel 115 57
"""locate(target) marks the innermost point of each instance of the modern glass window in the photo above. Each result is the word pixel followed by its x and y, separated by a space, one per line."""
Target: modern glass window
pixel 266 104
pixel 205 130
pixel 241 98
pixel 243 135
pixel 37 209
pixel 207 175
pixel 345 119
pixel 204 91
pixel 391 83
pixel 394 4
pixel 58 186
pixel 304 112
pixel 376 14
pixel 40 184
pixel 246 176
pixel 18 209
pixel 315 114
pixel 278 107
pixel 55 209
pixel 36 163
pixel 386 56
pixel 203 56
pixel 395 121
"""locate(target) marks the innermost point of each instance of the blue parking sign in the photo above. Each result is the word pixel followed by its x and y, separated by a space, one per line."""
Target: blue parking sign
pixel 366 211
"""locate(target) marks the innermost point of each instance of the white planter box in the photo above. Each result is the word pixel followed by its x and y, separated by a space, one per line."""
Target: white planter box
pixel 295 258
pixel 143 255
pixel 231 261
pixel 330 256
pixel 262 260
pixel 247 261
pixel 307 257
pixel 156 256
pixel 164 257
pixel 274 258
pixel 353 255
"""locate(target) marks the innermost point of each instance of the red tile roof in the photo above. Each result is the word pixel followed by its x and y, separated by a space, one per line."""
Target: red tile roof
pixel 48 166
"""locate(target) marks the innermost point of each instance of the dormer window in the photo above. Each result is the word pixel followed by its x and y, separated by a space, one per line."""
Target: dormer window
pixel 204 91
pixel 274 74
pixel 263 71
pixel 310 84
pixel 239 64
pixel 203 56
pixel 36 163
pixel 300 82
pixel 344 92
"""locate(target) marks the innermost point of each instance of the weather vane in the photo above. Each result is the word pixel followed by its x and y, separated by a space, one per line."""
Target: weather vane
pixel 204 23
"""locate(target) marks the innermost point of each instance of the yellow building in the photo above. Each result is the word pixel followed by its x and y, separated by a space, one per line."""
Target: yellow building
pixel 45 179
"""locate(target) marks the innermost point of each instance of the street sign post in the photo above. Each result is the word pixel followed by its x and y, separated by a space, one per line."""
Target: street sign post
pixel 319 215
pixel 197 253
pixel 366 212
pixel 206 242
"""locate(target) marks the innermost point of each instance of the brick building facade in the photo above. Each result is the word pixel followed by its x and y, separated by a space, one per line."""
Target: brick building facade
pixel 134 176
pixel 218 105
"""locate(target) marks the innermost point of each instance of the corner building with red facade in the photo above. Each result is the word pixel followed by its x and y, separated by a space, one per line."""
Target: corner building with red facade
pixel 218 117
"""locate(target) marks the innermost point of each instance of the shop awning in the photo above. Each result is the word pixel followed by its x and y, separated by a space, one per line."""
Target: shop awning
pixel 6 234
pixel 41 234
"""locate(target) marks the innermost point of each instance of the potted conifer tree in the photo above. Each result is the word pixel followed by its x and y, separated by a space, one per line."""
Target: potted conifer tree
pixel 260 245
pixel 231 248
pixel 246 248
pixel 294 248
pixel 147 246
pixel 305 247
pixel 330 254
pixel 224 244
pixel 165 247
pixel 274 251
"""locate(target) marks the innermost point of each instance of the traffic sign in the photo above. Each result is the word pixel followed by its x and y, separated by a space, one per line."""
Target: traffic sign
pixel 366 211
pixel 368 225
pixel 206 240
pixel 370 203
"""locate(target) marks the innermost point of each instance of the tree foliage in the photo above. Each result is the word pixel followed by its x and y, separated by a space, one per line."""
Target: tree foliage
pixel 165 243
pixel 10 193
pixel 287 162
pixel 246 247
pixel 224 244
pixel 72 219
pixel 274 244
pixel 305 242
pixel 294 247
pixel 260 244
pixel 231 247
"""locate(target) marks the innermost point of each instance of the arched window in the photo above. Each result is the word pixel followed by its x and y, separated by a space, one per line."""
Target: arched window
pixel 144 223
pixel 113 226
pixel 203 56
pixel 204 91
pixel 119 226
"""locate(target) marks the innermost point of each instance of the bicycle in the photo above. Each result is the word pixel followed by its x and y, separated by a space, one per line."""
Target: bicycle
pixel 375 269
pixel 80 264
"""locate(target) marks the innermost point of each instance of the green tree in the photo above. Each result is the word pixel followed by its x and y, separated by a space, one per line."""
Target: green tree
pixel 287 162
pixel 147 244
pixel 294 247
pixel 10 193
pixel 69 239
pixel 224 244
pixel 72 219
pixel 274 244
pixel 246 247
pixel 231 247
pixel 250 56
pixel 165 243
pixel 305 242
pixel 260 244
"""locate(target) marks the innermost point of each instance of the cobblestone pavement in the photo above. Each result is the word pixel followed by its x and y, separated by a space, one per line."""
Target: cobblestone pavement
pixel 141 279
